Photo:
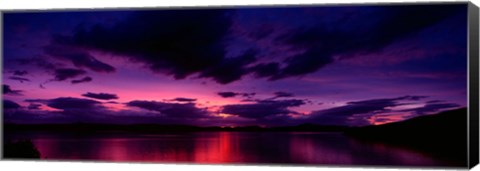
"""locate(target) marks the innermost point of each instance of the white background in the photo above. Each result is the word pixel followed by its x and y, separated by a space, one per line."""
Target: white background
pixel 87 166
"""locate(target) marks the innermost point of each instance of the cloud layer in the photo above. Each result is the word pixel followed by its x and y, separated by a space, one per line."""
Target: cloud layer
pixel 263 108
pixel 9 91
pixel 172 110
pixel 101 96
pixel 238 66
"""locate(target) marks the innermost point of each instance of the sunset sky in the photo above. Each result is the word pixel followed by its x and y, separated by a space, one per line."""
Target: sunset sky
pixel 267 66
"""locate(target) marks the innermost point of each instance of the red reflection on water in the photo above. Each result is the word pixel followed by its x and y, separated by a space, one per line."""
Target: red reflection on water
pixel 219 147
pixel 45 147
pixel 114 150
pixel 404 155
pixel 229 147
pixel 218 150
pixel 306 150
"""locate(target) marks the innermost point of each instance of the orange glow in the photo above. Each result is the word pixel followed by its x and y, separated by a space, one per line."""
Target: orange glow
pixel 47 108
pixel 115 107
pixel 384 119
pixel 224 115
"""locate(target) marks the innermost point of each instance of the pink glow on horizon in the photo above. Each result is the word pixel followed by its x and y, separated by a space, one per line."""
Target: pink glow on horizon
pixel 407 106
pixel 381 119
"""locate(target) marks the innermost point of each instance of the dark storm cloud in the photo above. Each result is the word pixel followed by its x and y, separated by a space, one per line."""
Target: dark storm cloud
pixel 262 108
pixel 262 32
pixel 69 103
pixel 32 116
pixel 34 106
pixel 415 98
pixel 183 99
pixel 173 42
pixel 228 94
pixel 340 115
pixel 71 109
pixel 101 96
pixel 181 43
pixel 305 63
pixel 171 110
pixel 41 62
pixel 9 91
pixel 230 69
pixel 79 58
pixel 36 100
pixel 8 104
pixel 59 72
pixel 67 73
pixel 266 69
pixel 386 102
pixel 279 94
pixel 322 42
pixel 431 108
pixel 21 79
pixel 248 95
pixel 83 80
pixel 435 101
pixel 20 72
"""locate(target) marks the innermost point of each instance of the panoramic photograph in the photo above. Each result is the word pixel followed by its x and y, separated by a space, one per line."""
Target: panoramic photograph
pixel 342 85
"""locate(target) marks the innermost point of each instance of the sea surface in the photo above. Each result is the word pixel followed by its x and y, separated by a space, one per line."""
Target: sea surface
pixel 284 148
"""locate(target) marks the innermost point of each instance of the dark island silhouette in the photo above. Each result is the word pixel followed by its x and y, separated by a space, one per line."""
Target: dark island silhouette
pixel 443 135
pixel 20 149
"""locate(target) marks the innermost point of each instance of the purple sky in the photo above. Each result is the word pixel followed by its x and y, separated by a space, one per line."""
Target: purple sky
pixel 345 65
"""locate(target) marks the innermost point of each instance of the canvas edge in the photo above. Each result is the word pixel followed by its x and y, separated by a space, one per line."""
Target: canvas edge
pixel 473 65
pixel 2 35
pixel 473 68
pixel 267 5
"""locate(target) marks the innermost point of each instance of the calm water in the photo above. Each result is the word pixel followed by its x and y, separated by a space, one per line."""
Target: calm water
pixel 223 147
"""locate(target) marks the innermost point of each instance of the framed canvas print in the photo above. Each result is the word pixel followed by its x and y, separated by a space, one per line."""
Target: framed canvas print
pixel 391 85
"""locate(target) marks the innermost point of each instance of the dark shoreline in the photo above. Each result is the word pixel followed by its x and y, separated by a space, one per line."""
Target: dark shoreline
pixel 80 127
pixel 443 135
